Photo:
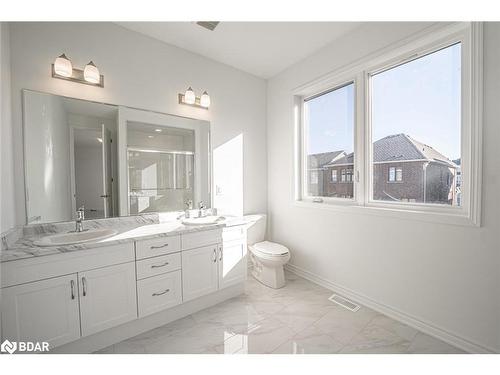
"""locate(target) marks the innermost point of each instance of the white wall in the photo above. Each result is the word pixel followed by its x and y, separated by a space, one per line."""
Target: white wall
pixel 143 73
pixel 48 158
pixel 7 201
pixel 443 275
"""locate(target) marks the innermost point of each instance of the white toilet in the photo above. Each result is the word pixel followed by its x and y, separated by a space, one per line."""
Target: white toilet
pixel 268 258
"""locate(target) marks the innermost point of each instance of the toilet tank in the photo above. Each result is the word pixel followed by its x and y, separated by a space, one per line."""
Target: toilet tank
pixel 256 228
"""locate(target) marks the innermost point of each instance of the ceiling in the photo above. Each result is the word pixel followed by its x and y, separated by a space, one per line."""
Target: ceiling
pixel 263 49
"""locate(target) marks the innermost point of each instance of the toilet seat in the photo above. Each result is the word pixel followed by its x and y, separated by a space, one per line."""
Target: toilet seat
pixel 270 249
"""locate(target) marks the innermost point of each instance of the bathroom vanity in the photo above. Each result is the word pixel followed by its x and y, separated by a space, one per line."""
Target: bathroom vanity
pixel 84 297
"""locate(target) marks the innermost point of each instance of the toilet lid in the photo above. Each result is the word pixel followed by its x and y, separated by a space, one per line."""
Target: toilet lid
pixel 271 248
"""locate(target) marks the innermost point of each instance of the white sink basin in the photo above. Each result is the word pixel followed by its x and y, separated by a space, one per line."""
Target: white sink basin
pixel 75 237
pixel 207 220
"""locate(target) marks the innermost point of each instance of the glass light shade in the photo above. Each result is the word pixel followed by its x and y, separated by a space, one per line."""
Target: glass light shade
pixel 91 73
pixel 205 100
pixel 189 97
pixel 63 66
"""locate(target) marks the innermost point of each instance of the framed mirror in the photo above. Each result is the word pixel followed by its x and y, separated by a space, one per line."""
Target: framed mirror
pixel 109 159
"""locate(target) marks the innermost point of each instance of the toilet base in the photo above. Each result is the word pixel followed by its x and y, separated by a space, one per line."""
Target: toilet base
pixel 271 276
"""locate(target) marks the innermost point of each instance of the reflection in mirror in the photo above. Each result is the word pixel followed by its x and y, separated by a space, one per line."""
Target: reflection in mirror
pixel 160 168
pixel 70 159
pixel 110 160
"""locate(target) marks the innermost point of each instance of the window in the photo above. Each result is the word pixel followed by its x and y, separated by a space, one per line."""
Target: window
pixel 334 175
pixel 415 109
pixel 350 175
pixel 395 174
pixel 416 119
pixel 329 135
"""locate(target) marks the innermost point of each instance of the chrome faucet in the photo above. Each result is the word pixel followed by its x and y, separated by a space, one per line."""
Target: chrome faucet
pixel 80 216
pixel 201 209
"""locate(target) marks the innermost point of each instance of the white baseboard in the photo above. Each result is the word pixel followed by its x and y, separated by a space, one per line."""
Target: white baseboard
pixel 426 327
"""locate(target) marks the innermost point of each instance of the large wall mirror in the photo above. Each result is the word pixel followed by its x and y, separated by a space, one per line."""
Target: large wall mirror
pixel 111 160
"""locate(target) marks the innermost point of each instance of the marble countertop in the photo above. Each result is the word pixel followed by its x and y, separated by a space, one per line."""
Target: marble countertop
pixel 129 229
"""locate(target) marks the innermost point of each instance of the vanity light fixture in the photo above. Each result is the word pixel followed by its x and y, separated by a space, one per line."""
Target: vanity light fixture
pixel 189 98
pixel 91 73
pixel 205 100
pixel 158 130
pixel 62 68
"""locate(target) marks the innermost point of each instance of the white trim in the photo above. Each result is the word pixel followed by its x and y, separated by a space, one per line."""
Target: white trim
pixel 425 326
pixel 384 209
pixel 433 38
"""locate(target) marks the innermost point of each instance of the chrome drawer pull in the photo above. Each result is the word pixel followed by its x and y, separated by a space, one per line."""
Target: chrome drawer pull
pixel 72 289
pixel 160 265
pixel 160 294
pixel 214 258
pixel 84 285
pixel 220 254
pixel 158 247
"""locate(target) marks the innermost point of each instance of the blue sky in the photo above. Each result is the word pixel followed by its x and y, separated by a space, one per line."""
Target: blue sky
pixel 420 98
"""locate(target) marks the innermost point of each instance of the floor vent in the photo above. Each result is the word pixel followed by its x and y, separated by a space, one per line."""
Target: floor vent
pixel 344 302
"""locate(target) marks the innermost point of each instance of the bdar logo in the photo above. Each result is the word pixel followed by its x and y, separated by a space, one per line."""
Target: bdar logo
pixel 8 347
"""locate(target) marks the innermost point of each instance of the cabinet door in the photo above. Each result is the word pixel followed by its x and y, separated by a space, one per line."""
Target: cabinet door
pixel 199 272
pixel 232 263
pixel 44 310
pixel 107 297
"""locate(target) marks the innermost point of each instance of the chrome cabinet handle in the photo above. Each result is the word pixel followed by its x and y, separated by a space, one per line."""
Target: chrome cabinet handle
pixel 160 294
pixel 84 286
pixel 158 247
pixel 72 283
pixel 160 265
pixel 220 254
pixel 214 258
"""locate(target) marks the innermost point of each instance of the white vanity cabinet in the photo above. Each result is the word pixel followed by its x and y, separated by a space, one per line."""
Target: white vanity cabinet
pixel 199 271
pixel 68 296
pixel 216 266
pixel 232 260
pixel 158 270
pixel 44 310
pixel 107 297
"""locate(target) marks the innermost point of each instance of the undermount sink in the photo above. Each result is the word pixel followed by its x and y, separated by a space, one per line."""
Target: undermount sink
pixel 73 238
pixel 207 220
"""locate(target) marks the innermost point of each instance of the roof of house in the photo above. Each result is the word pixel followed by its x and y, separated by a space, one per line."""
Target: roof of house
pixel 398 147
pixel 320 160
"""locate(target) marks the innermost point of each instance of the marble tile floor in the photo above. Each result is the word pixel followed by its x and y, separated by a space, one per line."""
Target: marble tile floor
pixel 297 319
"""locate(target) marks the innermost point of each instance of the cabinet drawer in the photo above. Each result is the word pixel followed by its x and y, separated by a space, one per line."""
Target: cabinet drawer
pixel 158 265
pixel 159 292
pixel 200 239
pixel 157 246
pixel 234 233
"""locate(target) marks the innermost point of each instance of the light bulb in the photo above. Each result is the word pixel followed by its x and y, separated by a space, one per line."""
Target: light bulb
pixel 91 73
pixel 63 66
pixel 205 100
pixel 189 97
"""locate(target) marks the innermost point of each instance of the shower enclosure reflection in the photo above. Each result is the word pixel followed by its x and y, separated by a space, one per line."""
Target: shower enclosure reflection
pixel 160 168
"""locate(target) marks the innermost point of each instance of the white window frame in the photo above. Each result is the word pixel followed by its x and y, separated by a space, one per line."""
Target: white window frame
pixel 395 174
pixel 339 81
pixel 470 35
pixel 334 173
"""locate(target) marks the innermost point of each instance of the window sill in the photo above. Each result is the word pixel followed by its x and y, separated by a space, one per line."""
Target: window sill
pixel 351 207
